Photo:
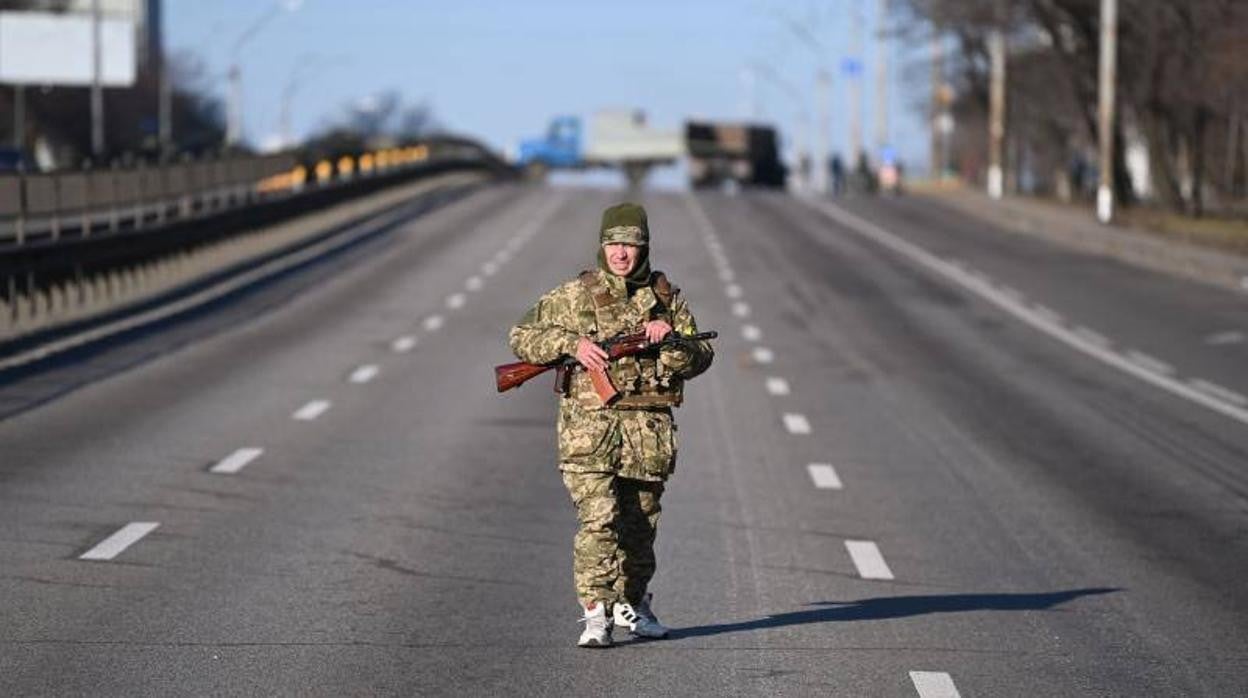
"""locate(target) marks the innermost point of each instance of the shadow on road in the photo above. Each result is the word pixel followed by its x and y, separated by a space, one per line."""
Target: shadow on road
pixel 896 607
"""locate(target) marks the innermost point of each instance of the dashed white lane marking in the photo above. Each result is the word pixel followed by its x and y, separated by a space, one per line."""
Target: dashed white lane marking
pixel 311 410
pixel 433 323
pixel 1228 337
pixel 726 275
pixel 115 544
pixel 1219 391
pixel 763 355
pixel 1149 363
pixel 751 333
pixel 1092 336
pixel 474 283
pixel 503 256
pixel 934 684
pixel 733 291
pixel 741 309
pixel 403 344
pixel 365 373
pixel 777 386
pixel 1047 314
pixel 1026 314
pixel 236 461
pixel 824 476
pixel 796 423
pixel 489 268
pixel 456 301
pixel 868 560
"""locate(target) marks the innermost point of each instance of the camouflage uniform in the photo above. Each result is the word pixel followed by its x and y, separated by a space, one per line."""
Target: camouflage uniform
pixel 615 459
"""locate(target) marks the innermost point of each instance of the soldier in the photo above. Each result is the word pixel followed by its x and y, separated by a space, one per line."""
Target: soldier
pixel 615 459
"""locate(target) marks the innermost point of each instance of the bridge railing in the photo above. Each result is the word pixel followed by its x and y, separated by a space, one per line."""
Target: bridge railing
pixel 42 207
pixel 77 246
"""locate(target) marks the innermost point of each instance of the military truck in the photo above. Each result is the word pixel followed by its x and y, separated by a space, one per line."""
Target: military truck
pixel 742 154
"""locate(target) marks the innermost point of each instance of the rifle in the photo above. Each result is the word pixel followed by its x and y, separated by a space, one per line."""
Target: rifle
pixel 513 375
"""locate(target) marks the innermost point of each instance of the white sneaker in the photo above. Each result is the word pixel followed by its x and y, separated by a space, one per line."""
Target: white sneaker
pixel 598 626
pixel 639 619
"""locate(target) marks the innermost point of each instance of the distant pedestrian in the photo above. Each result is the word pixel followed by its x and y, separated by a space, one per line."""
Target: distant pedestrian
pixel 837 169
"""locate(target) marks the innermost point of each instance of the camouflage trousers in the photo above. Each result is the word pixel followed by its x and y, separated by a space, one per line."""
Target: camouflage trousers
pixel 613 551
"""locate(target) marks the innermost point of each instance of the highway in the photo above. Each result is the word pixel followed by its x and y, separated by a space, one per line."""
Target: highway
pixel 931 459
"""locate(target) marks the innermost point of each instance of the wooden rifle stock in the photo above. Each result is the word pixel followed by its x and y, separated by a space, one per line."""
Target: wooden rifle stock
pixel 513 375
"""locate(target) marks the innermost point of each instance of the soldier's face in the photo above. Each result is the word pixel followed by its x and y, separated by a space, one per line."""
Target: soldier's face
pixel 621 258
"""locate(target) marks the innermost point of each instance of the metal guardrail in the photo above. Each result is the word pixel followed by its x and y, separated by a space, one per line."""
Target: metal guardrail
pixel 88 243
pixel 36 207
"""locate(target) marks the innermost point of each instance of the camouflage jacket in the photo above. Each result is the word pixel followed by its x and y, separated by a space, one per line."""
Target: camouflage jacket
pixel 636 437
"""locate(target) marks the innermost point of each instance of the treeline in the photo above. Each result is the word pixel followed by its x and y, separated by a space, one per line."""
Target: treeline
pixel 1182 88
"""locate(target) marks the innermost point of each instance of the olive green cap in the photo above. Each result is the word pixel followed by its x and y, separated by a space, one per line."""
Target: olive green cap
pixel 624 223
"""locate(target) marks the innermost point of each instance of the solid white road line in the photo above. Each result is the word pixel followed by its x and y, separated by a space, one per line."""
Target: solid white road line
pixel 1092 336
pixel 777 386
pixel 365 373
pixel 433 323
pixel 733 291
pixel 824 476
pixel 1047 314
pixel 311 410
pixel 741 309
pixel 1026 314
pixel 115 544
pixel 1149 363
pixel 474 283
pixel 236 461
pixel 403 344
pixel 763 355
pixel 1219 391
pixel 751 333
pixel 456 301
pixel 934 684
pixel 1011 292
pixel 796 423
pixel 868 560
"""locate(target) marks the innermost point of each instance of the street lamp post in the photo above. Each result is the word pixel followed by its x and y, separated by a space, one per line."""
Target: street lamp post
pixel 234 112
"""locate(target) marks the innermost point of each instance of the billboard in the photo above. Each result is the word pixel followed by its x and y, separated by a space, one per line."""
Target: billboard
pixel 41 48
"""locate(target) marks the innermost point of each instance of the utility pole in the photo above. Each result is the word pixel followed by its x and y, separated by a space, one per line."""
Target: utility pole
pixel 855 88
pixel 1109 54
pixel 97 89
pixel 166 107
pixel 19 117
pixel 937 154
pixel 996 113
pixel 881 81
pixel 820 160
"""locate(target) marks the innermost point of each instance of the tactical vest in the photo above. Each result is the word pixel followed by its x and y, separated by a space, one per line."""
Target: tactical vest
pixel 643 382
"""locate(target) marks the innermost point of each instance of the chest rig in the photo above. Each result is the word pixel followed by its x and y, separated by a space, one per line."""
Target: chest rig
pixel 643 382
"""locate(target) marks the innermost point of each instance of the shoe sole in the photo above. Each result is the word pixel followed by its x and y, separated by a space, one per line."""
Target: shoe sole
pixel 594 645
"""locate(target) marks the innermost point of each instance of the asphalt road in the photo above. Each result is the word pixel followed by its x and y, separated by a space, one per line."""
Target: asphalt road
pixel 929 457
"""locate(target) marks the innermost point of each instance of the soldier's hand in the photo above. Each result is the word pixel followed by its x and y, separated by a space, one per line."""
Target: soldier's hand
pixel 591 356
pixel 656 330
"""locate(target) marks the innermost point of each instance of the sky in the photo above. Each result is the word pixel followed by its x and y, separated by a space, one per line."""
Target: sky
pixel 498 70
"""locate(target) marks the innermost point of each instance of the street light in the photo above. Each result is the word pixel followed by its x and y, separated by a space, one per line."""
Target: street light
pixel 307 66
pixel 234 120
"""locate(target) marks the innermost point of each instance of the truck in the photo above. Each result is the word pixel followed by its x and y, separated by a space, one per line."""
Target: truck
pixel 741 154
pixel 616 138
